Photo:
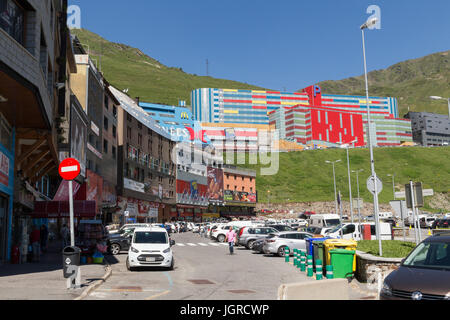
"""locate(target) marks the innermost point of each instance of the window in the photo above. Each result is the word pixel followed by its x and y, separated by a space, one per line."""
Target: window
pixel 105 146
pixel 129 133
pixel 105 123
pixel 139 126
pixel 115 111
pixel 243 189
pixel 128 117
pixel 140 139
pixel 114 131
pixel 12 19
pixel 113 152
pixel 251 189
pixel 106 103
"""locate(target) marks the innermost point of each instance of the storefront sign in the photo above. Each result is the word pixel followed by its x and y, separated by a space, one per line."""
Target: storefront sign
pixel 236 196
pixel 215 185
pixel 4 169
pixel 133 185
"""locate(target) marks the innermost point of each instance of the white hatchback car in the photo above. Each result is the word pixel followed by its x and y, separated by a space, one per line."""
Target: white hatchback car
pixel 150 247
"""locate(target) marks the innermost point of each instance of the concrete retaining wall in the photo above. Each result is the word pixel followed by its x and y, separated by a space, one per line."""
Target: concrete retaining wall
pixel 327 289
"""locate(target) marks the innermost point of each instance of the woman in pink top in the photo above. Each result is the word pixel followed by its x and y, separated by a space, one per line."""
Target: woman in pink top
pixel 231 238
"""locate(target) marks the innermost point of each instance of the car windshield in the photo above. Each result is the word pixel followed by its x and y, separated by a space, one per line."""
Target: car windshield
pixel 150 237
pixel 335 229
pixel 430 255
pixel 332 222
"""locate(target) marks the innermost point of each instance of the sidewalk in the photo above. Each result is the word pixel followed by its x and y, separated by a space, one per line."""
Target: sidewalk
pixel 44 280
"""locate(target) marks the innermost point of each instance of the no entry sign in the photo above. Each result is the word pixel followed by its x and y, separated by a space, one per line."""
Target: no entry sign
pixel 69 169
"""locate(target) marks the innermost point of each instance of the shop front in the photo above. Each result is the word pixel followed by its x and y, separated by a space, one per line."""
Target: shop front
pixel 185 213
pixel 6 189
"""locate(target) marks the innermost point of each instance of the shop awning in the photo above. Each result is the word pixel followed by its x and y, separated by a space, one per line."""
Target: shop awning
pixel 60 209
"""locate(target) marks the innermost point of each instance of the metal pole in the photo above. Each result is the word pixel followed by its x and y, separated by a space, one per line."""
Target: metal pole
pixel 413 204
pixel 402 215
pixel 335 194
pixel 340 213
pixel 350 185
pixel 393 185
pixel 72 229
pixel 372 163
pixel 359 204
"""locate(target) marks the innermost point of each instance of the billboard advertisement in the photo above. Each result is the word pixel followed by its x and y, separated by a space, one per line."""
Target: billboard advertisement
pixel 192 189
pixel 236 196
pixel 215 185
pixel 78 138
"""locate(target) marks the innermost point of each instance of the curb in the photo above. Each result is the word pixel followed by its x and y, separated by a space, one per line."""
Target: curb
pixel 97 283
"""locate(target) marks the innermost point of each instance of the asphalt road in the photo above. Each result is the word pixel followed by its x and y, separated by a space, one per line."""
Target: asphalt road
pixel 204 270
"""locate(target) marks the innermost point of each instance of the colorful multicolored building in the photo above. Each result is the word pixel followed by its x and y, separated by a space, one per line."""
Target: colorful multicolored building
pixel 304 117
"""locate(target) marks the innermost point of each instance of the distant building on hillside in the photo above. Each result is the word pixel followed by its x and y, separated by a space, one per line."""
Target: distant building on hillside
pixel 430 129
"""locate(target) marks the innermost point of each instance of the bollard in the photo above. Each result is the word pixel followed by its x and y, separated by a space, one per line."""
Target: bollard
pixel 286 254
pixel 319 271
pixel 329 272
pixel 299 259
pixel 295 257
pixel 303 261
pixel 310 271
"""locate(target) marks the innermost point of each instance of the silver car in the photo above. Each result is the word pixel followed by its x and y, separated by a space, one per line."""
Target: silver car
pixel 277 243
pixel 248 235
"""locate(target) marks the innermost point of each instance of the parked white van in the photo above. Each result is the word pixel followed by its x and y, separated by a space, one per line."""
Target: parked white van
pixel 324 220
pixel 352 231
pixel 385 215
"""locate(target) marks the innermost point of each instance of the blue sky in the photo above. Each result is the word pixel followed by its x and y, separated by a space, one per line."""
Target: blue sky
pixel 284 44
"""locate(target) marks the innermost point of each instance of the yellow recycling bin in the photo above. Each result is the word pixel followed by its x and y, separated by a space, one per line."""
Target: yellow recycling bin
pixel 331 244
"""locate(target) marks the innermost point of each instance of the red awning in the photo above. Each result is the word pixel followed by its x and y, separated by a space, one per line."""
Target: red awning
pixel 60 209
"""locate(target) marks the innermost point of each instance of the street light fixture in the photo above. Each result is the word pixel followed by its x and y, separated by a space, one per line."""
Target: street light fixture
pixel 441 98
pixel 368 24
pixel 334 179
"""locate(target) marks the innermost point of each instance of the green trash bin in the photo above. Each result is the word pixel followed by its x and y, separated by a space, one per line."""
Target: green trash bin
pixel 319 253
pixel 342 262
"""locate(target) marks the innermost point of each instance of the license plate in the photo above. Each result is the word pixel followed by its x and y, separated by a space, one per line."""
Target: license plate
pixel 150 259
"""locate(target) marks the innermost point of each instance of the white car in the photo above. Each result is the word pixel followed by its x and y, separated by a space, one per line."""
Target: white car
pixel 150 247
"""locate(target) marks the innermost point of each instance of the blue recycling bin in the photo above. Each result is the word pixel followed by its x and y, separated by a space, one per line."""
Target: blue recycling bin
pixel 310 246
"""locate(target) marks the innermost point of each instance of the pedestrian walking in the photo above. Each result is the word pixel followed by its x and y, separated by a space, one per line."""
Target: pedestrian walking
pixel 65 234
pixel 44 238
pixel 231 238
pixel 35 240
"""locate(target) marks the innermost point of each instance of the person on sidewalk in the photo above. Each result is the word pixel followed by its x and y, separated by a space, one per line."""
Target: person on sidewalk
pixel 231 238
pixel 44 238
pixel 65 235
pixel 35 240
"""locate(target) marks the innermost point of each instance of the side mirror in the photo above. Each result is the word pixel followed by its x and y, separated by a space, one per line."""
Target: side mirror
pixel 172 242
pixel 403 260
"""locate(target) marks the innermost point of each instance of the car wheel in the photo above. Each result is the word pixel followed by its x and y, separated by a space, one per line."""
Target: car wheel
pixel 250 244
pixel 115 249
pixel 221 238
pixel 281 251
pixel 129 268
pixel 172 265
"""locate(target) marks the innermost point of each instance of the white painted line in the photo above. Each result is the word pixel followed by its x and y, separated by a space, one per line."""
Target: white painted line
pixel 213 244
pixel 180 244
pixel 203 244
pixel 69 169
pixel 191 244
pixel 223 244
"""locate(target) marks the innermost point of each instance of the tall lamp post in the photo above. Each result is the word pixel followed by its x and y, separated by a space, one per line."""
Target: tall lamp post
pixel 268 198
pixel 357 185
pixel 369 23
pixel 349 179
pixel 393 183
pixel 334 179
pixel 440 98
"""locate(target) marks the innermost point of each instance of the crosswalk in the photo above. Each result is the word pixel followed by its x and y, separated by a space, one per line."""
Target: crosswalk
pixel 201 244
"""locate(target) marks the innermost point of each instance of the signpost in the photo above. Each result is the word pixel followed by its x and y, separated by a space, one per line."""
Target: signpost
pixel 374 185
pixel 69 169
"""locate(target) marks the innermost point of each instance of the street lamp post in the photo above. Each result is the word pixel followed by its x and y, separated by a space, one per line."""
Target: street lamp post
pixel 334 179
pixel 349 179
pixel 268 198
pixel 369 23
pixel 393 183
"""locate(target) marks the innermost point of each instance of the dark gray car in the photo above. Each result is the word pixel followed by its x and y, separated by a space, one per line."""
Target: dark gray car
pixel 248 235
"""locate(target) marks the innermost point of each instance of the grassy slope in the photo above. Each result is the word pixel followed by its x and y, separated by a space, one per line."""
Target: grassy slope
pixel 305 177
pixel 127 67
pixel 411 82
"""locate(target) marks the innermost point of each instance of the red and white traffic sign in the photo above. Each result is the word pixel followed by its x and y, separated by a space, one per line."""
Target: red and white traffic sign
pixel 69 169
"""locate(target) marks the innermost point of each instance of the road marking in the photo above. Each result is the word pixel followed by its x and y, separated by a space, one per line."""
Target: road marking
pixel 224 244
pixel 180 244
pixel 213 244
pixel 157 295
pixel 191 244
pixel 203 244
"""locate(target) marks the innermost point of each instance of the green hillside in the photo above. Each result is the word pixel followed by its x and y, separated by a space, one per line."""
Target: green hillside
pixel 305 177
pixel 411 82
pixel 127 67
